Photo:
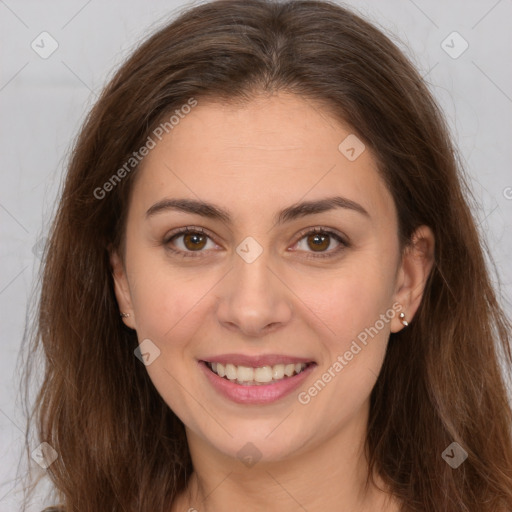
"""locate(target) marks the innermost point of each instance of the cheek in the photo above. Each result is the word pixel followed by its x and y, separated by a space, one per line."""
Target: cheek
pixel 165 298
pixel 357 307
pixel 169 304
pixel 364 339
pixel 350 299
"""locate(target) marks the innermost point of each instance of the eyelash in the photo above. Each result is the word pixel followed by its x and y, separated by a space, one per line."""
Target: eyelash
pixel 302 234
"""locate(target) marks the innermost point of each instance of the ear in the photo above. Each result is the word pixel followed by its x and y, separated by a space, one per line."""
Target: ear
pixel 121 289
pixel 417 262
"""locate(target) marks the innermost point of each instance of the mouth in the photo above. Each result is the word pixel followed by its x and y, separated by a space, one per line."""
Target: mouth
pixel 257 376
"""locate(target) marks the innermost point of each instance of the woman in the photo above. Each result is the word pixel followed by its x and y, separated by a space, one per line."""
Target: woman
pixel 264 288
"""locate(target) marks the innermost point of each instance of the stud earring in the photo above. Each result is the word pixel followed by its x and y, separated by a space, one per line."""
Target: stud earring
pixel 125 315
pixel 402 318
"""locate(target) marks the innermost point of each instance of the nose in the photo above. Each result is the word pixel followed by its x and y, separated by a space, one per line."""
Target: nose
pixel 253 300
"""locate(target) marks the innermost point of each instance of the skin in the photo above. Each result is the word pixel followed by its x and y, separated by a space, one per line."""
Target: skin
pixel 254 161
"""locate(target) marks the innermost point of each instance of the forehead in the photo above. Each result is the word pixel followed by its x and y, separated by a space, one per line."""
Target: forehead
pixel 271 151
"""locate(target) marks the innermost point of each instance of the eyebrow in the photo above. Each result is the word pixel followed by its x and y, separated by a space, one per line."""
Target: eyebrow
pixel 288 214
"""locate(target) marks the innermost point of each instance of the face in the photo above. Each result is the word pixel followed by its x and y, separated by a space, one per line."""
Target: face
pixel 259 284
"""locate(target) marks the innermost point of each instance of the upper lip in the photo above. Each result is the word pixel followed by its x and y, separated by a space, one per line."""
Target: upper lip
pixel 256 361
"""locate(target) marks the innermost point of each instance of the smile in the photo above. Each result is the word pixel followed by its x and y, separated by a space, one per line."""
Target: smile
pixel 248 376
pixel 259 384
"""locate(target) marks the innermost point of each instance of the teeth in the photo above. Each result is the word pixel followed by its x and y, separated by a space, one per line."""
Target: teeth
pixel 289 369
pixel 263 374
pixel 255 376
pixel 231 372
pixel 244 374
pixel 278 371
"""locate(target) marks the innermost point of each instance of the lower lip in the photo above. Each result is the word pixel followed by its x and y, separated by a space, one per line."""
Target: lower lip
pixel 259 394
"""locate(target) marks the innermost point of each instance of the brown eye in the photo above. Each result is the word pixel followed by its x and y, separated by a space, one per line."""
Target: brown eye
pixel 187 242
pixel 194 241
pixel 318 241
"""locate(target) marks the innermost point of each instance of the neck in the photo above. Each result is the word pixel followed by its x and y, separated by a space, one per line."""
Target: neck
pixel 328 476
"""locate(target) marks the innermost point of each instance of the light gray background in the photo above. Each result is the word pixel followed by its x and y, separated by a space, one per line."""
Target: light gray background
pixel 43 103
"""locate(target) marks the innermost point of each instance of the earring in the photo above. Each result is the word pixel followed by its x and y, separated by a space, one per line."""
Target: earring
pixel 402 318
pixel 125 315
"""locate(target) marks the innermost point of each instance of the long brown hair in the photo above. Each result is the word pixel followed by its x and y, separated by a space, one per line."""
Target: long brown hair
pixel 120 447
